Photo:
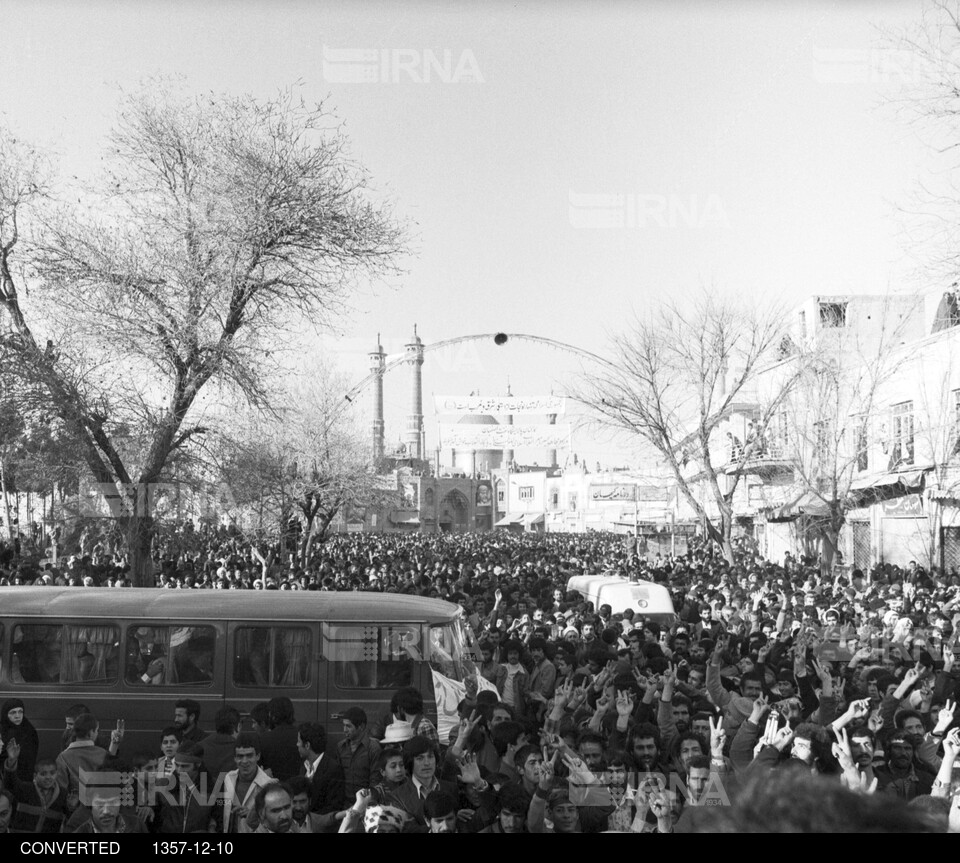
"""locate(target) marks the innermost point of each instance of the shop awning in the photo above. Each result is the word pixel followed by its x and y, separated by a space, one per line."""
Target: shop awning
pixel 531 519
pixel 950 493
pixel 508 520
pixel 808 503
pixel 911 479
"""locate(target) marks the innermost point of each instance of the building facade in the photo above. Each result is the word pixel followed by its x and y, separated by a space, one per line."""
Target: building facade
pixel 867 438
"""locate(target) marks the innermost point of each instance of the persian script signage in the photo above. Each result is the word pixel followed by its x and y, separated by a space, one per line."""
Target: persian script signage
pixel 499 405
pixel 908 506
pixel 504 437
pixel 613 491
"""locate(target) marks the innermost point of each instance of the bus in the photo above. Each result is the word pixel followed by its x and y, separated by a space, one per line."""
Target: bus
pixel 131 653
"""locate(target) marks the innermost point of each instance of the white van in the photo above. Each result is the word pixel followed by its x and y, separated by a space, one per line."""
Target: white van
pixel 646 598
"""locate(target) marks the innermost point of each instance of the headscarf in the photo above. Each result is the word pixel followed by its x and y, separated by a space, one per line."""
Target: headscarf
pixel 25 735
pixel 377 818
pixel 7 729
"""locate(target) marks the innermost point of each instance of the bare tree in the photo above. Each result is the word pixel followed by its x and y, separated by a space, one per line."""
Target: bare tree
pixel 677 377
pixel 222 224
pixel 833 424
pixel 310 463
pixel 926 72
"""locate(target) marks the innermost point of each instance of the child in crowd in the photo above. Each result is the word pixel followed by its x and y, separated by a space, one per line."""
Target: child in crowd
pixel 169 746
pixel 390 766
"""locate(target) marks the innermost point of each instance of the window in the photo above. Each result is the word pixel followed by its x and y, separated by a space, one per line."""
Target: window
pixel 91 654
pixel 170 655
pixel 501 495
pixel 863 447
pixel 526 492
pixel 823 445
pixel 429 497
pixel 372 656
pixel 271 656
pixel 833 315
pixel 451 648
pixel 555 499
pixel 902 449
pixel 572 501
pixel 779 436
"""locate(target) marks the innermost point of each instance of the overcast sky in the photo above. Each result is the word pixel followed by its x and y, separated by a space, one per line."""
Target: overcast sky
pixel 562 163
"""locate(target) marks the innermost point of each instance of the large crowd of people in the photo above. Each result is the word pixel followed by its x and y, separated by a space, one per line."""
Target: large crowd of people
pixel 784 697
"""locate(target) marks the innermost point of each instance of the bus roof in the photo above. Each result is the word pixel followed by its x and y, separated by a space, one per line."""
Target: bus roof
pixel 261 605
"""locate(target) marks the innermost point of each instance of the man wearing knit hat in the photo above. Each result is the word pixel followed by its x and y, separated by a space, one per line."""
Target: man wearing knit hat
pixel 184 808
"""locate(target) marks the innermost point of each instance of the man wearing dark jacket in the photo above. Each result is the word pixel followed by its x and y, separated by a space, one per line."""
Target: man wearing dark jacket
pixel 186 716
pixel 279 752
pixel 324 773
pixel 902 775
pixel 182 808
pixel 357 753
pixel 218 748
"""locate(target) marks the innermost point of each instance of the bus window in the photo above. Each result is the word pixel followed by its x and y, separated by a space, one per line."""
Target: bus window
pixel 372 657
pixel 291 658
pixel 170 655
pixel 36 652
pixel 91 655
pixel 452 650
pixel 271 656
pixel 251 656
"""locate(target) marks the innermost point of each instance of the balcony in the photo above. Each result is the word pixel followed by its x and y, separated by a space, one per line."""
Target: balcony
pixel 760 458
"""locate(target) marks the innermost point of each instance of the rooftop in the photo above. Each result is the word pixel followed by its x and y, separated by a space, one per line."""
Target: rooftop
pixel 182 605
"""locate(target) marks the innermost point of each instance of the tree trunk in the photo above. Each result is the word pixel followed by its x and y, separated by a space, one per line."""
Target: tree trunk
pixel 726 532
pixel 830 540
pixel 138 532
pixel 322 531
pixel 306 545
pixel 6 503
pixel 727 547
pixel 935 519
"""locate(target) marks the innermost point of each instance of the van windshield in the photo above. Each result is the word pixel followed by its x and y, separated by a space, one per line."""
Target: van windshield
pixel 453 649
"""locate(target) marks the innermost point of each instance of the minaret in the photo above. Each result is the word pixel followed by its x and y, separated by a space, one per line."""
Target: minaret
pixel 414 432
pixel 552 453
pixel 378 361
pixel 507 421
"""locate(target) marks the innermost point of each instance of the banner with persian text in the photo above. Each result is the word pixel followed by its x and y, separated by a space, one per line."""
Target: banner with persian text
pixel 499 405
pixel 613 491
pixel 471 437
